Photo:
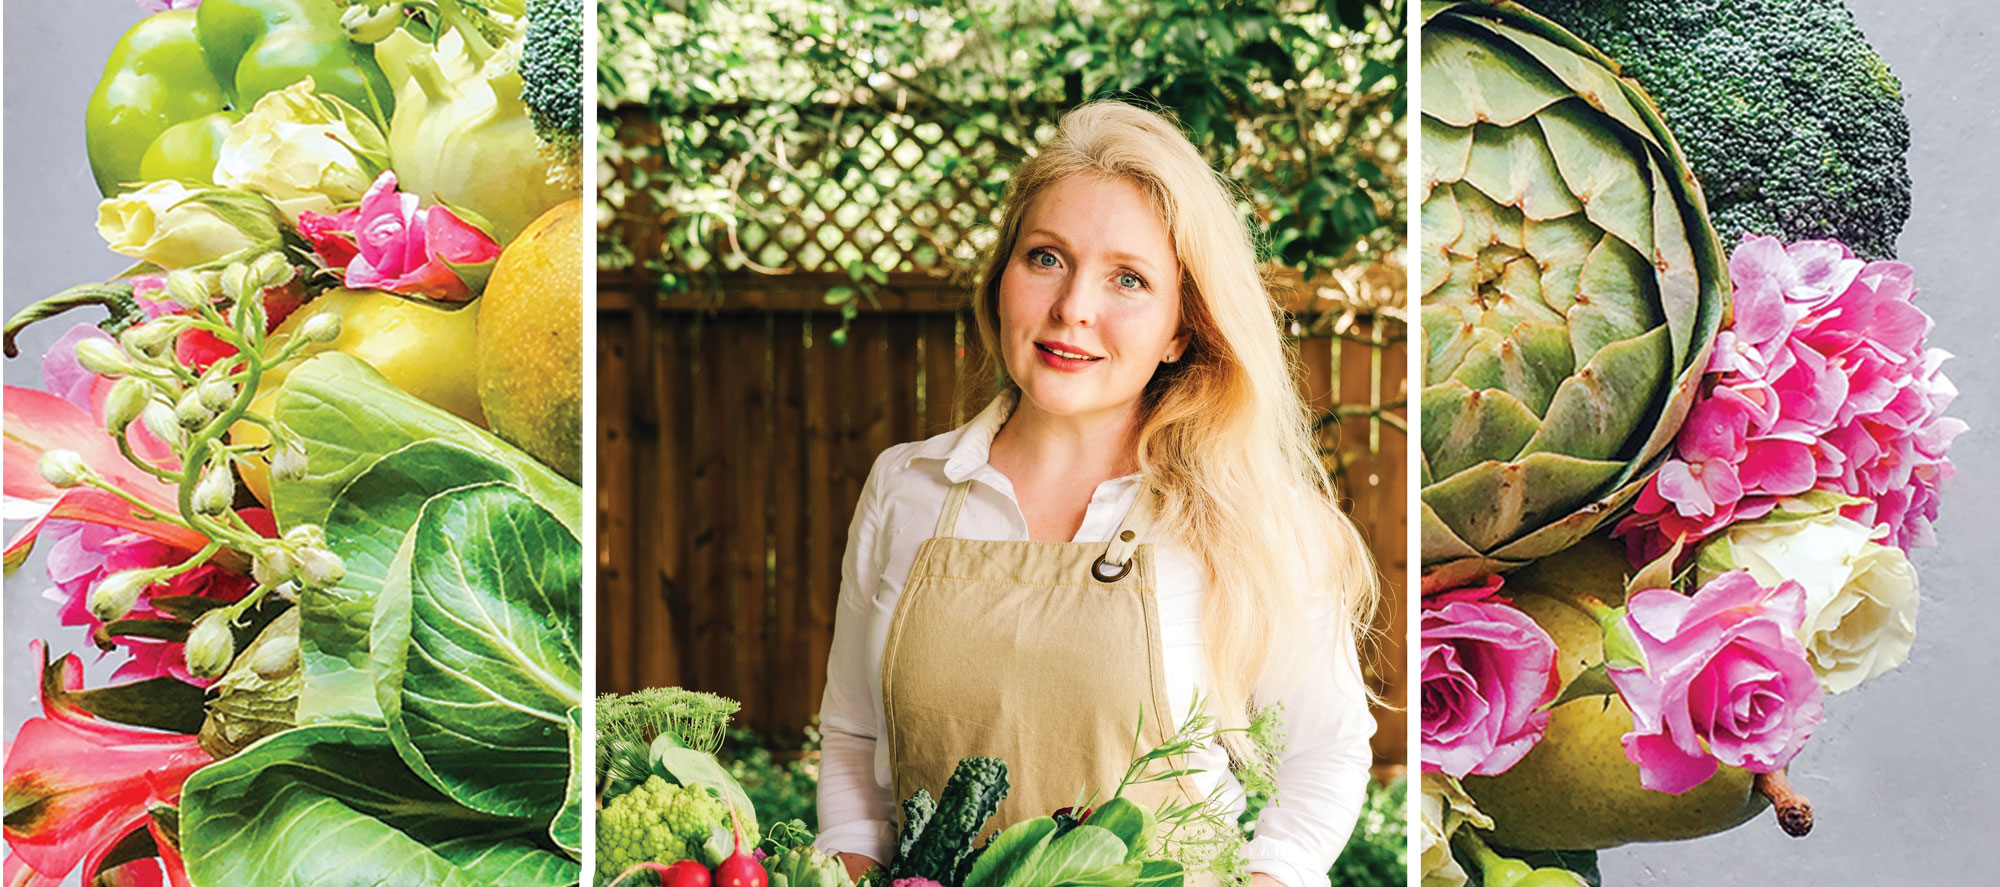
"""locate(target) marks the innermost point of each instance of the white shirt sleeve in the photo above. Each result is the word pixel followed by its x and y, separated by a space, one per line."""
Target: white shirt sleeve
pixel 857 814
pixel 1323 773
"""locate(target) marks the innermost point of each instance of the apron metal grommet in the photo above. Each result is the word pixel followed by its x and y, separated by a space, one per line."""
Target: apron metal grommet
pixel 1098 570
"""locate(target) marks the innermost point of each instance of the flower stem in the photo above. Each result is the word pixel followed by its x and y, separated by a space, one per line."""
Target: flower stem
pixel 1794 811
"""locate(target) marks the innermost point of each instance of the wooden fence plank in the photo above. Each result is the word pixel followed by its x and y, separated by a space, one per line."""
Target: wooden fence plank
pixel 940 372
pixel 616 514
pixel 714 514
pixel 662 628
pixel 784 673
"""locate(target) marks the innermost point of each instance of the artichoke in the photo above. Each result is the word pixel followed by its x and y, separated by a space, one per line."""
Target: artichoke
pixel 1572 287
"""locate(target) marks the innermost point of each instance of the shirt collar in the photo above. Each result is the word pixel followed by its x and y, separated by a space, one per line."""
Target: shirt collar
pixel 964 449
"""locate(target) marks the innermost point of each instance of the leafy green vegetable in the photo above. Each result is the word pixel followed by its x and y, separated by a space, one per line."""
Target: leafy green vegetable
pixel 1009 851
pixel 491 664
pixel 1132 824
pixel 348 416
pixel 1087 855
pixel 567 828
pixel 971 796
pixel 365 525
pixel 334 805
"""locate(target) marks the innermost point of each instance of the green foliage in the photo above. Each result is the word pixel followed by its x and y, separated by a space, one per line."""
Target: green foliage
pixel 781 778
pixel 813 101
pixel 1790 120
pixel 552 74
pixel 1374 856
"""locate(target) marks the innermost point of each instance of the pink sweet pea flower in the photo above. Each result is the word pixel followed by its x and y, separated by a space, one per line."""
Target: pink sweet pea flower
pixel 1488 670
pixel 1725 679
pixel 399 246
pixel 153 6
pixel 82 784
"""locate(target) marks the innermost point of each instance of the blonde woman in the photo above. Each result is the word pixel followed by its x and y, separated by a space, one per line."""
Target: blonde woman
pixel 1139 517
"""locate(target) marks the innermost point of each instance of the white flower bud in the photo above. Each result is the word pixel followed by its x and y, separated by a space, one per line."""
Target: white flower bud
pixel 116 594
pixel 191 413
pixel 160 420
pixel 102 357
pixel 306 536
pixel 217 394
pixel 274 657
pixel 216 490
pixel 273 565
pixel 321 568
pixel 236 281
pixel 270 269
pixel 321 328
pixel 210 644
pixel 187 289
pixel 290 462
pixel 149 340
pixel 64 468
pixel 127 398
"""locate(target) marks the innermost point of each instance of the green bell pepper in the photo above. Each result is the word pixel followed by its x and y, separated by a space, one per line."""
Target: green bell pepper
pixel 157 77
pixel 174 71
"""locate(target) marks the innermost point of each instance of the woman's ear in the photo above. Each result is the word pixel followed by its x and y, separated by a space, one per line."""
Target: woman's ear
pixel 1178 345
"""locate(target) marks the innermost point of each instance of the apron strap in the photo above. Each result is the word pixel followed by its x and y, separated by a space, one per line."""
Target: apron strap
pixel 1117 558
pixel 947 524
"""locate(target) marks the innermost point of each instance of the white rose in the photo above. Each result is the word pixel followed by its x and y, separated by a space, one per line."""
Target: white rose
pixel 159 224
pixel 305 152
pixel 1445 807
pixel 1861 596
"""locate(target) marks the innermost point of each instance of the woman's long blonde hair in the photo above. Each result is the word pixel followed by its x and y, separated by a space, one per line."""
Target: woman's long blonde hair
pixel 1224 434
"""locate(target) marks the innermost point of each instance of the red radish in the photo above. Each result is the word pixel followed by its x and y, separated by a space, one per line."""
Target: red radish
pixel 686 873
pixel 740 869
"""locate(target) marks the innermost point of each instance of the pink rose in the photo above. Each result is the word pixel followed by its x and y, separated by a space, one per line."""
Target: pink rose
pixel 400 247
pixel 1488 670
pixel 1725 679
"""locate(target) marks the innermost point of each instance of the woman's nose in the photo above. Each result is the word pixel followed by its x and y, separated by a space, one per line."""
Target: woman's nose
pixel 1073 305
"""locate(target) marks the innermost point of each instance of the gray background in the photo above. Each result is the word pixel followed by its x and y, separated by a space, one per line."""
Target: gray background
pixel 1898 775
pixel 54 54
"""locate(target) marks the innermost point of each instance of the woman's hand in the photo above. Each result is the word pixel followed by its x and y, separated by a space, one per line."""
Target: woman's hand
pixel 858 865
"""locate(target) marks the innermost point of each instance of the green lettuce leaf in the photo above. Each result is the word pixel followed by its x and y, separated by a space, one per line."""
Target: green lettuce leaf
pixel 477 654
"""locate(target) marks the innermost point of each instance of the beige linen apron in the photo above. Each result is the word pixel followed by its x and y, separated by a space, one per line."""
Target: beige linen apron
pixel 1043 654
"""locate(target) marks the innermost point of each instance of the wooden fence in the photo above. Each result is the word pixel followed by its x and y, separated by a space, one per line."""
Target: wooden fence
pixel 734 441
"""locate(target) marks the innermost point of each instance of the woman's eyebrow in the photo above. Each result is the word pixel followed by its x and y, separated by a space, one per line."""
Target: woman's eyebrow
pixel 1113 255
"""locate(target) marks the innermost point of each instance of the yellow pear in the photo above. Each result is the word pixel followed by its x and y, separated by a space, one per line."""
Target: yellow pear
pixel 1576 790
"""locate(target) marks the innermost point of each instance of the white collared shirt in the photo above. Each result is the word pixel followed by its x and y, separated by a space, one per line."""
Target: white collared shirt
pixel 1321 773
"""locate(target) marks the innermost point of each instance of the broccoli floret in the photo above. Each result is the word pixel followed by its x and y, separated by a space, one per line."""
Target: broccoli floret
pixel 656 822
pixel 552 78
pixel 1790 120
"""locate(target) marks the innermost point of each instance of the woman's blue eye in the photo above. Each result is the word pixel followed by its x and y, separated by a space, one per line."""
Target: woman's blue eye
pixel 1129 280
pixel 1043 258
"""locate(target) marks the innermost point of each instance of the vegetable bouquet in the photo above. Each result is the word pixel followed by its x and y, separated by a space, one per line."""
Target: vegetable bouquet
pixel 1679 438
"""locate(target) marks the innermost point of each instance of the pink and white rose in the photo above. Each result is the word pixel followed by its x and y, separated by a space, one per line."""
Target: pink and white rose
pixel 1724 679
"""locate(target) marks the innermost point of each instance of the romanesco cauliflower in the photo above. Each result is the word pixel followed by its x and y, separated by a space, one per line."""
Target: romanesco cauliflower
pixel 657 822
